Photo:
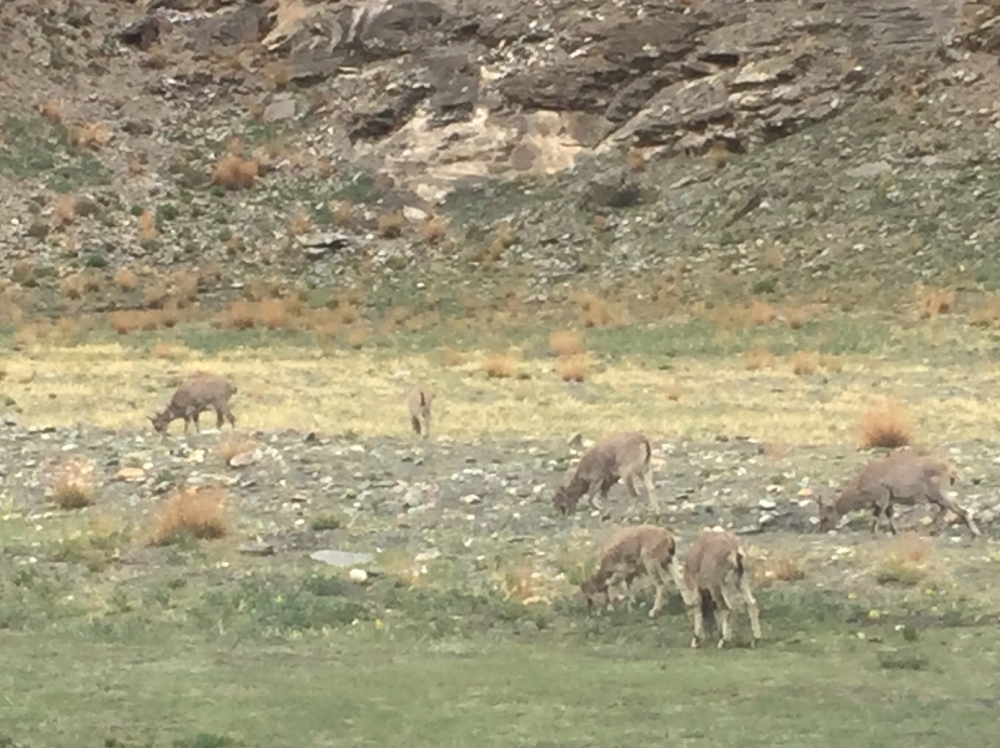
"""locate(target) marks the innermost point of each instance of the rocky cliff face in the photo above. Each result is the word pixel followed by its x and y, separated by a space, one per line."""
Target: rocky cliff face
pixel 431 98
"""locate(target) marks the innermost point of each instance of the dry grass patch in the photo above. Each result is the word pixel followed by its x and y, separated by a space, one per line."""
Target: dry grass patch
pixel 885 423
pixel 233 446
pixel 673 391
pixel 64 210
pixel 635 159
pixel 761 312
pixel 450 357
pixel 772 257
pixel 147 225
pixel 986 313
pixel 499 366
pixel 597 312
pixel 53 110
pixel 357 337
pixel 341 213
pixel 758 357
pixel 717 155
pixel 197 511
pixel 784 568
pixel 169 351
pixel 833 364
pixel 565 342
pixel 932 301
pixel 390 225
pixel 126 279
pixel 518 580
pixel 432 229
pixel 234 173
pixel 906 559
pixel 805 363
pixel 573 368
pixel 89 135
pixel 72 485
pixel 240 315
pixel 300 223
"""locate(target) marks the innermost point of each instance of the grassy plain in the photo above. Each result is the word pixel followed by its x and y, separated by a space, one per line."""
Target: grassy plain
pixel 108 642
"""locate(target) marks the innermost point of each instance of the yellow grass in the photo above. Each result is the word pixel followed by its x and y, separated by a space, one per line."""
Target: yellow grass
pixel 196 510
pixel 906 559
pixel 573 368
pixel 885 423
pixel 72 484
pixel 565 342
pixel 108 385
pixel 805 362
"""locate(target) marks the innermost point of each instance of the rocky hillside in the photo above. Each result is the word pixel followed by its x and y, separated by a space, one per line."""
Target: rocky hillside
pixel 324 140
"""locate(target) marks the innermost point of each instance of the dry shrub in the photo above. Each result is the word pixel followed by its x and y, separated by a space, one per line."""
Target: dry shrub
pixel 885 424
pixel 797 316
pixel 907 559
pixel 357 337
pixel 773 257
pixel 324 167
pixel 805 362
pixel 89 135
pixel 717 155
pixel 499 366
pixel 66 330
pixel 432 229
pixel 233 446
pixel 277 73
pixel 199 511
pixel 325 324
pixel 147 225
pixel 234 173
pixel 125 321
pixel 390 225
pixel 73 286
pixel 785 568
pixel 636 159
pixel 53 110
pixel 347 311
pixel 673 391
pixel 986 313
pixel 341 213
pixel 240 315
pixel 565 342
pixel 758 357
pixel 273 314
pixel 168 351
pixel 301 223
pixel 933 301
pixel 450 357
pixel 761 313
pixel 573 368
pixel 595 311
pixel 65 209
pixel 519 581
pixel 126 279
pixel 73 484
pixel 831 363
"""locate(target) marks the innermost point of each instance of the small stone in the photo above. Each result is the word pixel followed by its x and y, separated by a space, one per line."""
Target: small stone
pixel 358 575
pixel 131 474
pixel 766 504
pixel 471 499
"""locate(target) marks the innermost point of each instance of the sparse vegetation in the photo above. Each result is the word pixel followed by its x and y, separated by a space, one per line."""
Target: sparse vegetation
pixel 885 423
pixel 499 366
pixel 197 511
pixel 73 484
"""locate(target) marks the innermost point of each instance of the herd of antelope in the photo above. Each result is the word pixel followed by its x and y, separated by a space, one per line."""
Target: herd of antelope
pixel 714 577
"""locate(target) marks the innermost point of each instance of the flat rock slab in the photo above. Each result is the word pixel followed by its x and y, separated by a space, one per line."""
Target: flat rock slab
pixel 340 558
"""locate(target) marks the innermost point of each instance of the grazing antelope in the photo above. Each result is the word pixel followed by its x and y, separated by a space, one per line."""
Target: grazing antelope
pixel 902 477
pixel 715 578
pixel 632 552
pixel 419 404
pixel 625 455
pixel 197 394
